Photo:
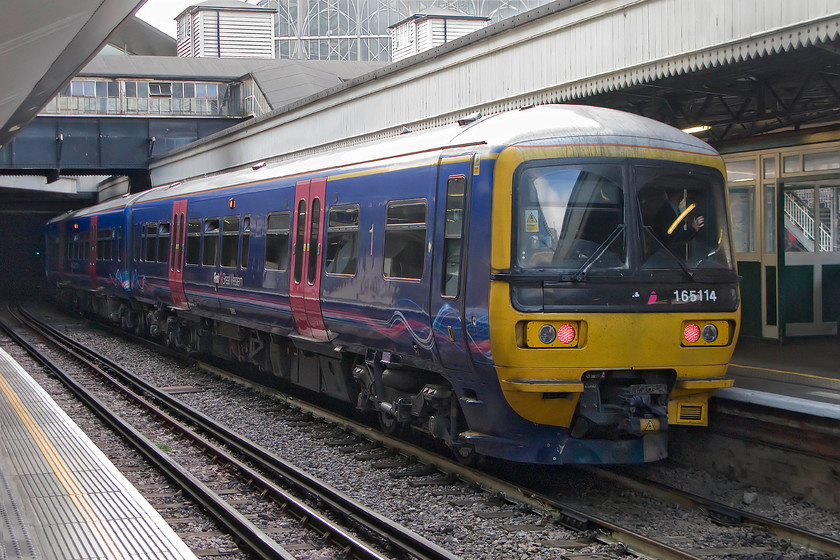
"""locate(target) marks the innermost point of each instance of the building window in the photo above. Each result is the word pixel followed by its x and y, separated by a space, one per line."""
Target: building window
pixel 742 204
pixel 160 89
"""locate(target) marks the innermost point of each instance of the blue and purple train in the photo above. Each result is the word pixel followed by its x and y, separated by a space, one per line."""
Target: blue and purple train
pixel 505 284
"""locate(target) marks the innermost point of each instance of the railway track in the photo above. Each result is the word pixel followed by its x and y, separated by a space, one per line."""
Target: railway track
pixel 427 469
pixel 594 526
pixel 718 512
pixel 218 445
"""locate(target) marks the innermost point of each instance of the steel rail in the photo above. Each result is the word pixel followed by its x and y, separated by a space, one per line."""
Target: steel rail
pixel 397 535
pixel 722 513
pixel 228 517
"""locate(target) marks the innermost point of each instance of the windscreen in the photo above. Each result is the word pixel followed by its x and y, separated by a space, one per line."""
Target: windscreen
pixel 604 219
pixel 570 215
pixel 683 213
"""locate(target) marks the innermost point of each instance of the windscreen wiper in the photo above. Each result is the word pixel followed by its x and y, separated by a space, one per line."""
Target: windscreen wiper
pixel 678 260
pixel 580 275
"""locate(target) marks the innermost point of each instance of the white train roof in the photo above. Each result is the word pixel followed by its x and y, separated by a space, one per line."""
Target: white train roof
pixel 542 125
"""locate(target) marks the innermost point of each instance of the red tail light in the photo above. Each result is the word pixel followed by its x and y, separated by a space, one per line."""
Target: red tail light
pixel 566 333
pixel 691 333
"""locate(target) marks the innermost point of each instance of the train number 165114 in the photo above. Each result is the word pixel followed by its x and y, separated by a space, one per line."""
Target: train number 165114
pixel 685 296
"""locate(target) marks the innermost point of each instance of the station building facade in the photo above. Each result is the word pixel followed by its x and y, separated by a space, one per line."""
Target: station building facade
pixel 785 201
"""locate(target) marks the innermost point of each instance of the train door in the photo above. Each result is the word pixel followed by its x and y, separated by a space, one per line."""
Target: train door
pixel 307 241
pixel 176 254
pixel 93 234
pixel 448 283
pixel 808 255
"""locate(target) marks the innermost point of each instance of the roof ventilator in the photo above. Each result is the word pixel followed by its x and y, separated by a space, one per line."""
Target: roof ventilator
pixel 469 119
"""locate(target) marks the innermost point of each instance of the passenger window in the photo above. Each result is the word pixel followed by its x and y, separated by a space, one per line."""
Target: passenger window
pixel 104 244
pixel 342 239
pixel 151 242
pixel 314 242
pixel 163 242
pixel 300 241
pixel 73 248
pixel 174 247
pixel 453 232
pixel 246 240
pixel 277 241
pixel 118 245
pixel 193 255
pixel 109 245
pixel 230 241
pixel 405 239
pixel 211 241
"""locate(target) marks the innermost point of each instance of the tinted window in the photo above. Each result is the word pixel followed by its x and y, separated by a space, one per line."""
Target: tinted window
pixel 277 241
pixel 211 241
pixel 342 239
pixel 230 241
pixel 405 239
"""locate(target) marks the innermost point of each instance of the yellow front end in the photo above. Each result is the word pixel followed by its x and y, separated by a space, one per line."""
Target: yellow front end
pixel 544 380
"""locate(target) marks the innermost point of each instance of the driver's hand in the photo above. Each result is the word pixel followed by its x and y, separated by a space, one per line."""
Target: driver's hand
pixel 698 222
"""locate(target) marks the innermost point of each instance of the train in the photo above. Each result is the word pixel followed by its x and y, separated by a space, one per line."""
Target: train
pixel 503 284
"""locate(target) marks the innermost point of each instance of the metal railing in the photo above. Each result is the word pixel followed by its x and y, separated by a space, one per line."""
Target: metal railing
pixel 800 214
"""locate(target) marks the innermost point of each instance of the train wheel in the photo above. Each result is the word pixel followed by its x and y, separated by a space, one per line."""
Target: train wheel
pixel 388 424
pixel 466 455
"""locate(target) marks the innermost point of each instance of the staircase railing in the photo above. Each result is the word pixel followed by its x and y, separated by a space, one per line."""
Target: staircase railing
pixel 799 213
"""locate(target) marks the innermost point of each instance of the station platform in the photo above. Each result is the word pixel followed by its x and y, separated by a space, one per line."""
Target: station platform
pixel 801 374
pixel 60 496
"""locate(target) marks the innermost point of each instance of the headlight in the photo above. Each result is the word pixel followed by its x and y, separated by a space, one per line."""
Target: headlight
pixel 710 333
pixel 706 333
pixel 547 334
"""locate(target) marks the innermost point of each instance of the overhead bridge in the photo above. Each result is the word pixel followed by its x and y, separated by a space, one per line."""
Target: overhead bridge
pixel 101 145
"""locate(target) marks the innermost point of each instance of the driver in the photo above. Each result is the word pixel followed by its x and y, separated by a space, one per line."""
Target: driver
pixel 670 222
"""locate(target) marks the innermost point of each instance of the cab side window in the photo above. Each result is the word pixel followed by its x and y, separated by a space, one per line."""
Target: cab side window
pixel 453 232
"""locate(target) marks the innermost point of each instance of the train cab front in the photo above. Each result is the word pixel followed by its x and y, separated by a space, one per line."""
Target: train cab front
pixel 621 301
